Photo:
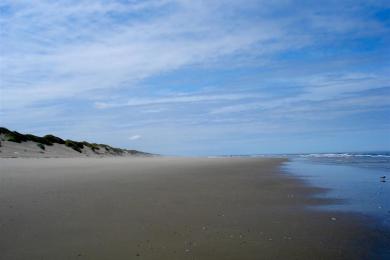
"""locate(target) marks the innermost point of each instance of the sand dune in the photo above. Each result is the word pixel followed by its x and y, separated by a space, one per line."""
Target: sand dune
pixel 30 149
pixel 14 144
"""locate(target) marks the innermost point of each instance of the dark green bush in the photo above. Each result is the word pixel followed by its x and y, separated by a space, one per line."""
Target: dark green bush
pixel 77 146
pixel 42 146
pixel 38 139
pixel 53 139
pixel 93 146
pixel 4 130
pixel 110 149
pixel 117 150
pixel 18 137
pixel 12 138
pixel 15 137
pixel 106 147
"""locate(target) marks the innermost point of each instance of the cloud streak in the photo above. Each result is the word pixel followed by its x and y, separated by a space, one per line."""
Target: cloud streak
pixel 57 60
pixel 175 99
pixel 134 137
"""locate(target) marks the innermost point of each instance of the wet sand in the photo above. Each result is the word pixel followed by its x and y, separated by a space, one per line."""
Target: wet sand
pixel 169 208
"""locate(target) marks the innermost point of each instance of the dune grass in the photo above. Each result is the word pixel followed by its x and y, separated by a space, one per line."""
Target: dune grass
pixel 49 140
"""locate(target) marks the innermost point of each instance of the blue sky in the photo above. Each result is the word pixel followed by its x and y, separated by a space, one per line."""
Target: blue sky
pixel 209 77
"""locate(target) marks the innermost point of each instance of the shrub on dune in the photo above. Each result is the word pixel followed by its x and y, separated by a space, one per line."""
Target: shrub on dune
pixel 93 146
pixel 15 137
pixel 77 146
pixel 38 139
pixel 41 142
pixel 42 146
pixel 4 130
pixel 53 139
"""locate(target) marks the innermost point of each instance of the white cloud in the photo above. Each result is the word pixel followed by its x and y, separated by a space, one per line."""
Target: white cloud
pixel 174 99
pixel 80 47
pixel 135 137
pixel 334 92
pixel 66 49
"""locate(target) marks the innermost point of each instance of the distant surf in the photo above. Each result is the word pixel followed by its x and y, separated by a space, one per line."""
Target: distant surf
pixel 378 160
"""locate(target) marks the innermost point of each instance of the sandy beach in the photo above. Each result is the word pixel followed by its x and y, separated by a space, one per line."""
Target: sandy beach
pixel 169 208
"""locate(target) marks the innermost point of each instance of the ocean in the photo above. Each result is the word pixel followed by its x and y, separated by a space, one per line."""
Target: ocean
pixel 359 180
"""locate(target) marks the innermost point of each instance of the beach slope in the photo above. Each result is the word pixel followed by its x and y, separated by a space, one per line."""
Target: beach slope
pixel 168 208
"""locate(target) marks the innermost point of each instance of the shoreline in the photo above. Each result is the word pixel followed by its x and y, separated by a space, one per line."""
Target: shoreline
pixel 170 208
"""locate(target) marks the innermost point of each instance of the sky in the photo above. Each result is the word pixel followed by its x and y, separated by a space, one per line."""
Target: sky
pixel 181 77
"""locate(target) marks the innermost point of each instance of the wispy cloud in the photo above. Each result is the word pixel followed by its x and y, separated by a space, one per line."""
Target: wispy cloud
pixel 106 51
pixel 321 92
pixel 134 137
pixel 58 49
pixel 176 99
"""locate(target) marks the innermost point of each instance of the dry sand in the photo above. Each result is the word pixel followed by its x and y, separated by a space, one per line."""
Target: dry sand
pixel 168 208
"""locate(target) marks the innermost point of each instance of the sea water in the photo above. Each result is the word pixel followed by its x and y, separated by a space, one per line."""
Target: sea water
pixel 360 180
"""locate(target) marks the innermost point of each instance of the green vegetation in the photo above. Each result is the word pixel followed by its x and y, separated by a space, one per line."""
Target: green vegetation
pixel 80 145
pixel 117 150
pixel 93 146
pixel 42 146
pixel 112 150
pixel 105 146
pixel 38 139
pixel 4 130
pixel 17 137
pixel 77 146
pixel 53 139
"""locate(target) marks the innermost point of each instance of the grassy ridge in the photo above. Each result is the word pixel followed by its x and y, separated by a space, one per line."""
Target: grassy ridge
pixel 49 140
